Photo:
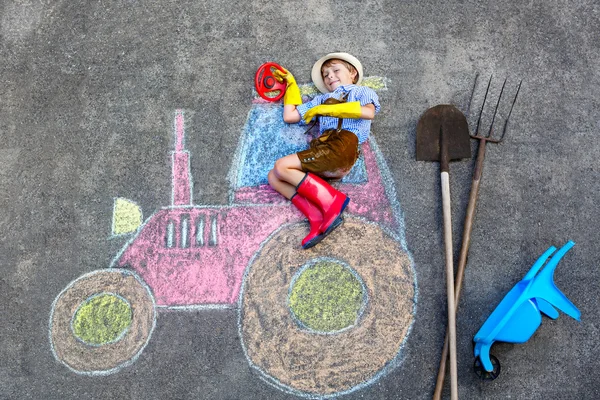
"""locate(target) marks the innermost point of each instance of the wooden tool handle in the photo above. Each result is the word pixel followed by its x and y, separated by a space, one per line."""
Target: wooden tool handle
pixel 445 179
pixel 462 260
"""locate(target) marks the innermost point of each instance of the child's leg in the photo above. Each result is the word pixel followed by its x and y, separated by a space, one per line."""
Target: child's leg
pixel 286 175
pixel 320 203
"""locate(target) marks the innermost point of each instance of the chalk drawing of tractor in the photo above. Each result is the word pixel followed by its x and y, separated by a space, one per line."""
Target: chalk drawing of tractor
pixel 315 323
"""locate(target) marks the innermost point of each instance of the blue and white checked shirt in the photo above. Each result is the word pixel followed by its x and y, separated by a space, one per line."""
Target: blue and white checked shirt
pixel 360 127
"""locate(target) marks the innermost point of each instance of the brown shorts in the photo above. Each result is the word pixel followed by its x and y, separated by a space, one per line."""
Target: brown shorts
pixel 331 155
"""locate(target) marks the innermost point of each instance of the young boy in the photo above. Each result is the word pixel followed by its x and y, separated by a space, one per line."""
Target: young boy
pixel 345 111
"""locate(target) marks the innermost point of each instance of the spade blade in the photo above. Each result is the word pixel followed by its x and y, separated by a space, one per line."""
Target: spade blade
pixel 443 122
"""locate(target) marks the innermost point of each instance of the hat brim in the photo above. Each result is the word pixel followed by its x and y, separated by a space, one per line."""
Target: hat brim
pixel 317 78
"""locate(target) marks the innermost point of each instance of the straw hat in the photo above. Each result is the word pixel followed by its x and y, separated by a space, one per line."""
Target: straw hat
pixel 317 78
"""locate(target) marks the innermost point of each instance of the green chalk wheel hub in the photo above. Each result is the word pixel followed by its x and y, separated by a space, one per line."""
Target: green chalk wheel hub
pixel 326 296
pixel 102 319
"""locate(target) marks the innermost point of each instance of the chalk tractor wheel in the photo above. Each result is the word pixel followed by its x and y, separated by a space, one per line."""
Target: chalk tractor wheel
pixel 265 83
pixel 329 319
pixel 102 321
pixel 487 375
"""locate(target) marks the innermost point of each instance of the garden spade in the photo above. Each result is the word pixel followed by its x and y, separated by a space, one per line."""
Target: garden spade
pixel 443 135
pixel 470 214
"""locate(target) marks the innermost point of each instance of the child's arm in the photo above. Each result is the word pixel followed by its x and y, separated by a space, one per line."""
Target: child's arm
pixel 291 98
pixel 364 107
pixel 367 112
pixel 352 110
pixel 290 114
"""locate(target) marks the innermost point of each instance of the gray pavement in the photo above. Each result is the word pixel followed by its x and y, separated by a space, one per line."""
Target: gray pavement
pixel 87 94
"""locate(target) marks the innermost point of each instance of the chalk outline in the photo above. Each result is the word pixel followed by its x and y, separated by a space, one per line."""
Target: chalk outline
pixel 398 236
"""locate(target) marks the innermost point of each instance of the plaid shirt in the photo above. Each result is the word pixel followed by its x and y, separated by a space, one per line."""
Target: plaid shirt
pixel 360 127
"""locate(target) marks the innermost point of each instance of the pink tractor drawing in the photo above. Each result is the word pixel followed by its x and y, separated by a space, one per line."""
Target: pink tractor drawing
pixel 247 255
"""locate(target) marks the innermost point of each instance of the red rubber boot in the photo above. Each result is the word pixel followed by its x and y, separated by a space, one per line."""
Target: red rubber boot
pixel 331 202
pixel 315 218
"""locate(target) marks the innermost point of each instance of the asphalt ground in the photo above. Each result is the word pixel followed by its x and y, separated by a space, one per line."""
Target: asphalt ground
pixel 87 94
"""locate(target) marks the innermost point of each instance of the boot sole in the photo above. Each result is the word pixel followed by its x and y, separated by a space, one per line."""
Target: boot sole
pixel 333 225
pixel 317 239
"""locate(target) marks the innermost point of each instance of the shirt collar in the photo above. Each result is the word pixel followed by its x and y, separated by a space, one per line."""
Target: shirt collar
pixel 344 88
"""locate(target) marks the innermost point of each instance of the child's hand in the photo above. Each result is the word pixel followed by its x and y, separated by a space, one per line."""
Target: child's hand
pixel 292 92
pixel 284 76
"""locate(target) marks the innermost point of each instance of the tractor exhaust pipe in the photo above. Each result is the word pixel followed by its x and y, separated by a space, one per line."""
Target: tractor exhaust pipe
pixel 181 194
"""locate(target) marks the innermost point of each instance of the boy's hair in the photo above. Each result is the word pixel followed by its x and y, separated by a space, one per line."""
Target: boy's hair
pixel 338 61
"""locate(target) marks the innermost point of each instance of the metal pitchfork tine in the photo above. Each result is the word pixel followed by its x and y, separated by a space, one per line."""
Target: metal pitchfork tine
pixel 468 226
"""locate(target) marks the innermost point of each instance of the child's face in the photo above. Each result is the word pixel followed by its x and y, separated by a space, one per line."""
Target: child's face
pixel 337 74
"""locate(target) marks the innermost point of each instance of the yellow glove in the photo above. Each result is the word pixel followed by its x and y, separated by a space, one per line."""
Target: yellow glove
pixel 292 92
pixel 341 110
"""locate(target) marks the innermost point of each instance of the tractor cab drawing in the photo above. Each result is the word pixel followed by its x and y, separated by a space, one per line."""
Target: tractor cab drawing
pixel 247 255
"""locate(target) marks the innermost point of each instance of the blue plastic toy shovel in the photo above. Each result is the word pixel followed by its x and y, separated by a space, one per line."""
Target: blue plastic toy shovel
pixel 518 315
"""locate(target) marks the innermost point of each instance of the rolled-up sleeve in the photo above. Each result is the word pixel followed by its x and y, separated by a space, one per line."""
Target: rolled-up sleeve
pixel 368 96
pixel 304 107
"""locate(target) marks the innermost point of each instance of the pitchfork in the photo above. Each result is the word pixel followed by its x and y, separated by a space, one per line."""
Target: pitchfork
pixel 466 239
